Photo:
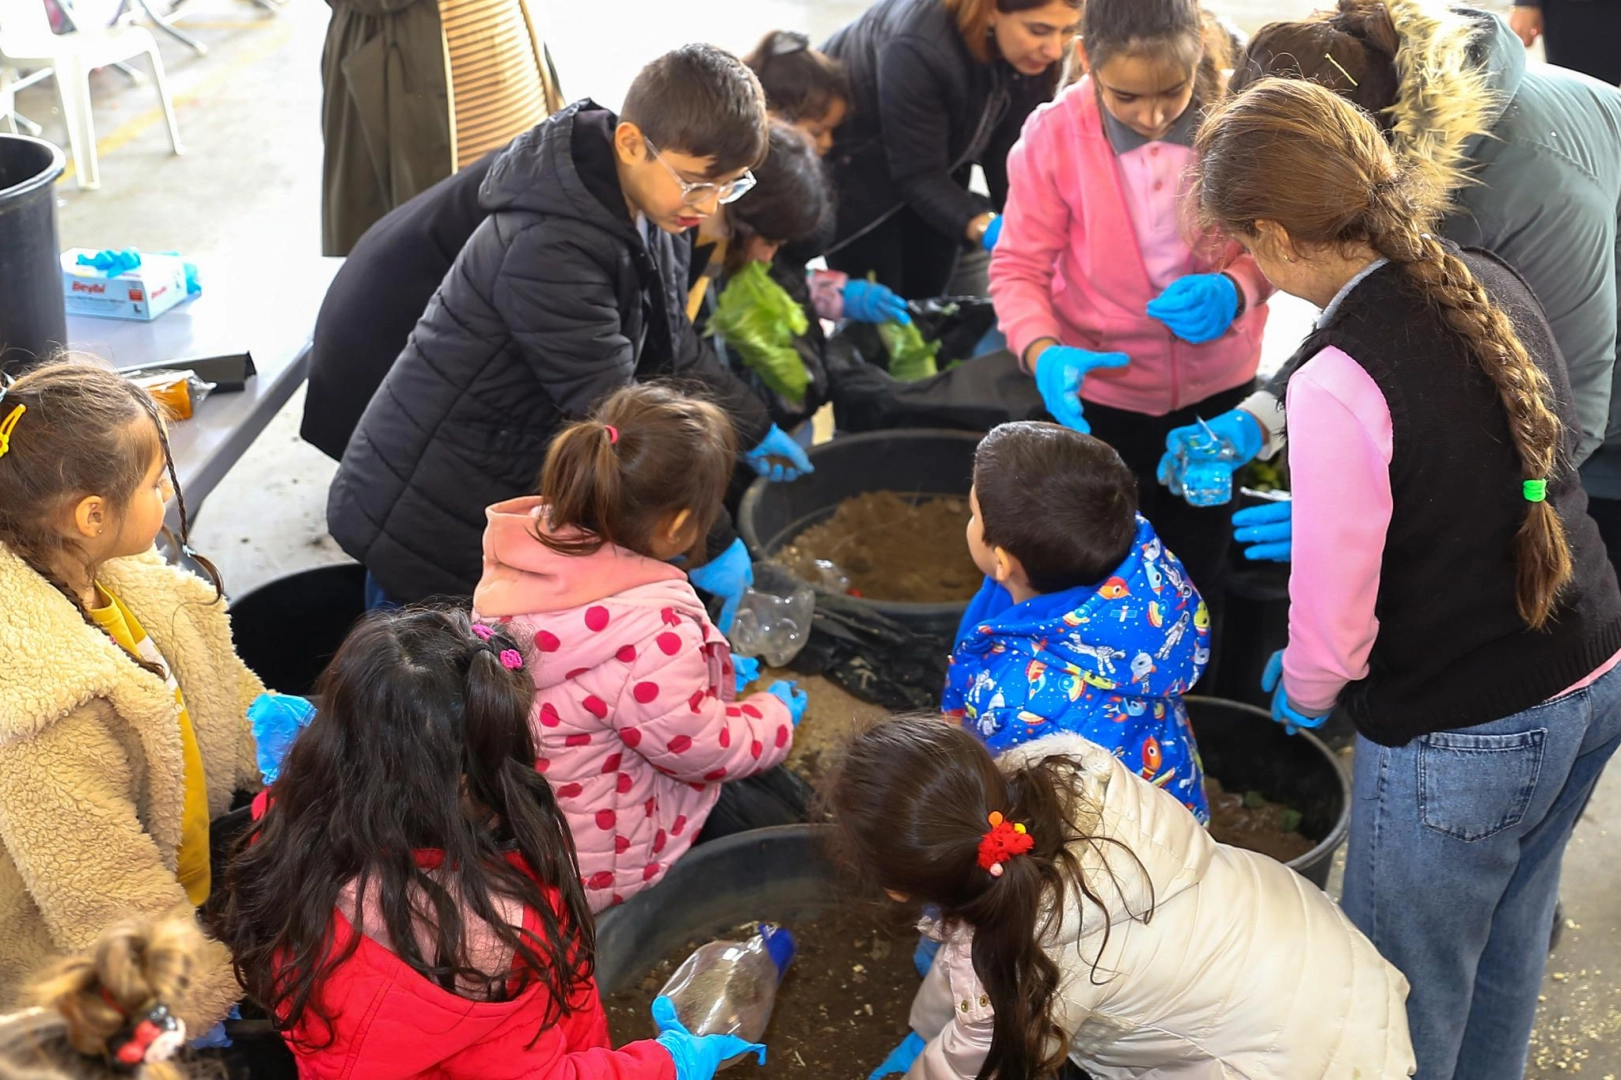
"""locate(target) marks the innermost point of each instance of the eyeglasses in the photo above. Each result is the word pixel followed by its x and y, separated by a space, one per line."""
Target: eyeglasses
pixel 692 194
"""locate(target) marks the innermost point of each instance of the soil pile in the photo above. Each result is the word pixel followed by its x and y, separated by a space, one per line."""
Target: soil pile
pixel 1247 820
pixel 891 548
pixel 841 1009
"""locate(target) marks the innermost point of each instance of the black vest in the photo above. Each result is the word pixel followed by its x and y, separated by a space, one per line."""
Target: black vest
pixel 1452 650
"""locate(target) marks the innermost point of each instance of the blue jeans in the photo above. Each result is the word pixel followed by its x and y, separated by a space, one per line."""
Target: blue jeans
pixel 376 598
pixel 1453 870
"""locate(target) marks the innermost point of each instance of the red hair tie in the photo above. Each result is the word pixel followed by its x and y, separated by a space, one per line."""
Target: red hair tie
pixel 613 433
pixel 1001 843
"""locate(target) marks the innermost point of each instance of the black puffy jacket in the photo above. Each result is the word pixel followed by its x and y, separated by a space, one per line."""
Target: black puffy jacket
pixel 377 298
pixel 925 111
pixel 554 303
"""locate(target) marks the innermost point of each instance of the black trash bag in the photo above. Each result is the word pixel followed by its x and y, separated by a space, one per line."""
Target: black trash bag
pixel 873 657
pixel 976 395
pixel 958 323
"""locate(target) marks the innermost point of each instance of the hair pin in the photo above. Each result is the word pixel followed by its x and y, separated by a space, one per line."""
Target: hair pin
pixel 512 659
pixel 788 42
pixel 150 1037
pixel 8 425
pixel 613 434
pixel 482 632
pixel 1330 58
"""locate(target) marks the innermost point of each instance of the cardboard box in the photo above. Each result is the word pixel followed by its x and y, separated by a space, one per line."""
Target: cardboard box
pixel 144 293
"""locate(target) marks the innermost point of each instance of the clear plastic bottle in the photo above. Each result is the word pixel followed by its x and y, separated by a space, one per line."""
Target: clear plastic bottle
pixel 729 987
pixel 773 627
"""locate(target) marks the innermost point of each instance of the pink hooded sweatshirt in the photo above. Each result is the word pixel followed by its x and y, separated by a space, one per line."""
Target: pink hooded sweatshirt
pixel 1070 265
pixel 634 716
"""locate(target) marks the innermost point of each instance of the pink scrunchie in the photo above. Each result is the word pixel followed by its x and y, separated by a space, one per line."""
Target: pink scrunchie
pixel 512 659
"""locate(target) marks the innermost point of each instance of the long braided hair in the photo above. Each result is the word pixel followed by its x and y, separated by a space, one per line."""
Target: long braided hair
pixel 1297 154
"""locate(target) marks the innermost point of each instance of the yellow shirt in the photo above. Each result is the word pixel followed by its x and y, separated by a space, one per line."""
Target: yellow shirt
pixel 121 625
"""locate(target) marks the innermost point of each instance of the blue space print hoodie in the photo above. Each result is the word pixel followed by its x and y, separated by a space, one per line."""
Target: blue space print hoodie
pixel 1109 661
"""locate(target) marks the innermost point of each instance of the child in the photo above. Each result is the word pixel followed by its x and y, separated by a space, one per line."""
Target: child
pixel 1449 593
pixel 1086 623
pixel 634 719
pixel 407 904
pixel 1086 915
pixel 1096 287
pixel 122 704
pixel 113 1010
pixel 570 289
pixel 803 87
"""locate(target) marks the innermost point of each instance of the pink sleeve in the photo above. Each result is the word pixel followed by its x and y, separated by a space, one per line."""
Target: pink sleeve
pixel 1339 459
pixel 1249 279
pixel 674 715
pixel 1035 230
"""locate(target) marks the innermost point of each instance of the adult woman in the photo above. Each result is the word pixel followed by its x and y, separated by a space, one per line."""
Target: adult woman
pixel 938 86
pixel 1527 161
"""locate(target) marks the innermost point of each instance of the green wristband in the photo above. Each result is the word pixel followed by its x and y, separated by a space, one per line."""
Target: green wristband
pixel 1535 490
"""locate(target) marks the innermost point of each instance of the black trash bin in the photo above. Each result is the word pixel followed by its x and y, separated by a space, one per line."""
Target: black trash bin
pixel 33 321
pixel 287 629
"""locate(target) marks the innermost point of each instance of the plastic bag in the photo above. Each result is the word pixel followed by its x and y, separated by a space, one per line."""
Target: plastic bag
pixel 975 395
pixel 756 317
pixel 730 987
pixel 178 392
pixel 773 626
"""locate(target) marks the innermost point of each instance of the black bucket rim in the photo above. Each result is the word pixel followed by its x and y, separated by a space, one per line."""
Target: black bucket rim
pixel 746 512
pixel 1342 826
pixel 49 175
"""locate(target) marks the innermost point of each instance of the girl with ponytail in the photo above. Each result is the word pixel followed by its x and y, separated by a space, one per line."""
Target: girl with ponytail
pixel 634 718
pixel 1087 915
pixel 407 902
pixel 1450 595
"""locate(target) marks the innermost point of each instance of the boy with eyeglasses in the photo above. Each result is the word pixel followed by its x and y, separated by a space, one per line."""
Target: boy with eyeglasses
pixel 572 287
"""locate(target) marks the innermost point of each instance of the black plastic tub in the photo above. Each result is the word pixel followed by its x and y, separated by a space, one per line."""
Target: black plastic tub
pixel 286 630
pixel 784 874
pixel 1244 749
pixel 33 319
pixel 780 874
pixel 925 462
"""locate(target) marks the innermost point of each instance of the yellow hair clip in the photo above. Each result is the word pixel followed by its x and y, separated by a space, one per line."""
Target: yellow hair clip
pixel 8 425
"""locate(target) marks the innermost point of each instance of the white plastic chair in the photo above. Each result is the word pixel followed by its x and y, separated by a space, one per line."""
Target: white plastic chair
pixel 26 41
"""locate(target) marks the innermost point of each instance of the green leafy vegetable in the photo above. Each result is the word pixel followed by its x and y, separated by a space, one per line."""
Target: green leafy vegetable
pixel 910 357
pixel 1289 820
pixel 757 318
pixel 1254 800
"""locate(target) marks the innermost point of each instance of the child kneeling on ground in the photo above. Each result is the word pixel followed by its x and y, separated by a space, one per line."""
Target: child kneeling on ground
pixel 1086 623
pixel 1086 916
pixel 407 904
pixel 634 717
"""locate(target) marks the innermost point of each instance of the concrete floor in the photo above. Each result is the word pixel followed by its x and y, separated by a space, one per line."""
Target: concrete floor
pixel 250 181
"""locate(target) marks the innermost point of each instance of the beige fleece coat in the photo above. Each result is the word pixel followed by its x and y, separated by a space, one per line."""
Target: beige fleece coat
pixel 91 777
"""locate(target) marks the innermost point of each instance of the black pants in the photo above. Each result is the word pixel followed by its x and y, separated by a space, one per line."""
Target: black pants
pixel 1585 36
pixel 774 797
pixel 1198 535
pixel 905 253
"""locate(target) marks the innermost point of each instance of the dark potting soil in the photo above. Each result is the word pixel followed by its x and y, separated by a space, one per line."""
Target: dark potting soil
pixel 840 1010
pixel 1246 820
pixel 892 548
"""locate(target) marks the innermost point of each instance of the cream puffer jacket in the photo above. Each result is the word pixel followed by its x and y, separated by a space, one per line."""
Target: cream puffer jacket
pixel 1246 971
pixel 91 777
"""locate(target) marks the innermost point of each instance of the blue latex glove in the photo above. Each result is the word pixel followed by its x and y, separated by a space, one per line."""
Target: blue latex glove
pixel 870 302
pixel 746 669
pixel 1236 426
pixel 1284 713
pixel 727 575
pixel 112 262
pixel 792 696
pixel 923 956
pixel 1269 528
pixel 900 1059
pixel 993 233
pixel 276 720
pixel 778 457
pixel 697 1057
pixel 1198 307
pixel 1059 371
